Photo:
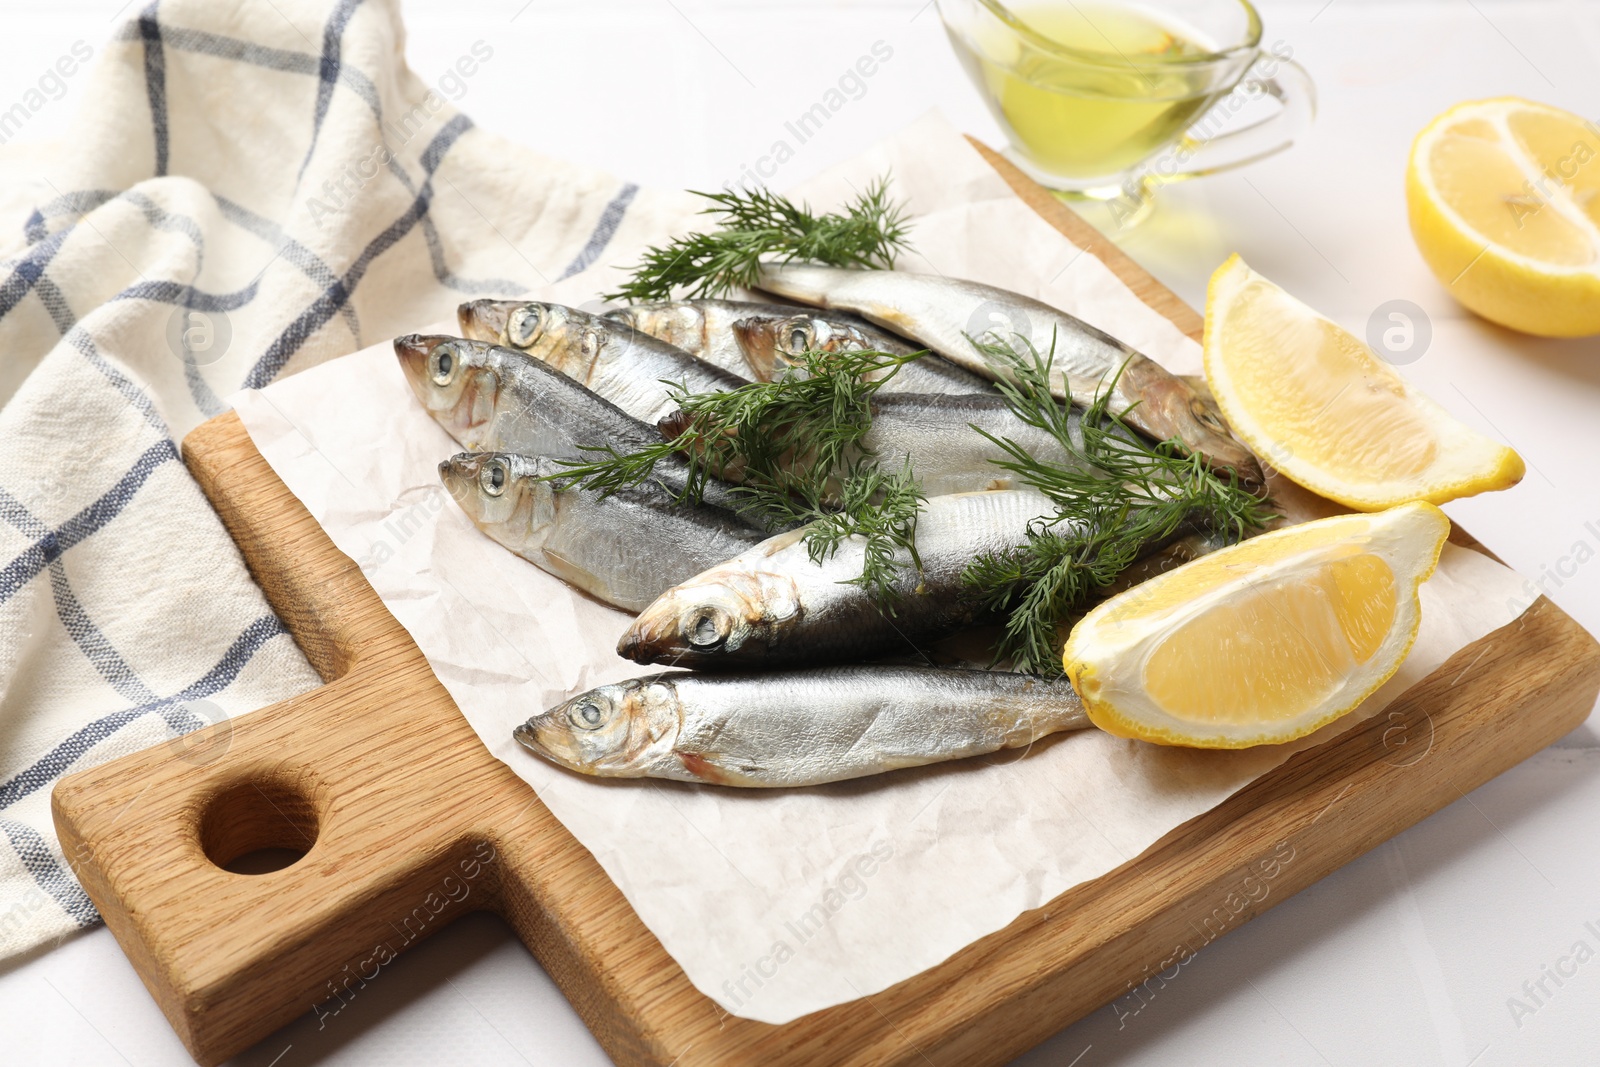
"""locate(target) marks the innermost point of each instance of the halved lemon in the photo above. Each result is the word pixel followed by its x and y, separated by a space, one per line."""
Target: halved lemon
pixel 1314 401
pixel 1504 198
pixel 1262 642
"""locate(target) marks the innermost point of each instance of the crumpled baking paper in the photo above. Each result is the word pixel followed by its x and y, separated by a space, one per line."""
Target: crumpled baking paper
pixel 780 903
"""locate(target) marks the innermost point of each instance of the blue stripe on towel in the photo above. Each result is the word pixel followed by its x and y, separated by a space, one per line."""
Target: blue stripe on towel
pixel 53 764
pixel 49 547
pixel 155 82
pixel 94 644
pixel 92 641
pixel 334 297
pixel 80 339
pixel 604 230
pixel 55 302
pixel 13 511
pixel 289 250
pixel 39 860
pixel 183 39
pixel 28 269
pixel 328 73
pixel 163 292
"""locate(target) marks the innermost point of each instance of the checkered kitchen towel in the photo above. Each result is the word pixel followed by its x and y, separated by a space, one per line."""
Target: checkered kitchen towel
pixel 244 191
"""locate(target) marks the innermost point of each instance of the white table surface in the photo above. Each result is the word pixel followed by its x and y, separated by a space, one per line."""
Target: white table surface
pixel 1410 955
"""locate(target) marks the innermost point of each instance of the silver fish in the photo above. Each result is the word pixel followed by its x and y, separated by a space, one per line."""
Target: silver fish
pixel 491 398
pixel 943 313
pixel 626 366
pixel 773 344
pixel 764 341
pixel 934 433
pixel 624 549
pixel 495 399
pixel 771 605
pixel 702 328
pixel 800 727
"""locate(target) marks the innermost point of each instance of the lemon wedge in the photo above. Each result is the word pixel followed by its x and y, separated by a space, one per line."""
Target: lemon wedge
pixel 1262 642
pixel 1315 402
pixel 1504 199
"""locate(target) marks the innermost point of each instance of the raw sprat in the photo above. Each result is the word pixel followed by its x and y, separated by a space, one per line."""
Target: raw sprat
pixel 631 369
pixel 763 342
pixel 949 314
pixel 494 399
pixel 797 728
pixel 825 448
pixel 775 605
pixel 624 548
pixel 702 327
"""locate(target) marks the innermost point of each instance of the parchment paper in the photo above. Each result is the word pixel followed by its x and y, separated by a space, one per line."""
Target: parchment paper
pixel 777 904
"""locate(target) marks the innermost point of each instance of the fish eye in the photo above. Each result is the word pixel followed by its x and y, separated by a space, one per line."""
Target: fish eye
pixel 523 325
pixel 799 338
pixel 708 628
pixel 1204 416
pixel 443 364
pixel 588 715
pixel 493 477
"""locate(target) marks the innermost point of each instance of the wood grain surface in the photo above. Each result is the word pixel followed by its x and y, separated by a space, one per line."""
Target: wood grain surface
pixel 407 822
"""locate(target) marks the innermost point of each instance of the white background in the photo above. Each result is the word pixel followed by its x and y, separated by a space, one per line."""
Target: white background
pixel 1408 956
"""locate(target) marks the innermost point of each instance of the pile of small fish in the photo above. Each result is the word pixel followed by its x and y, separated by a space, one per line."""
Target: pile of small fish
pixel 784 689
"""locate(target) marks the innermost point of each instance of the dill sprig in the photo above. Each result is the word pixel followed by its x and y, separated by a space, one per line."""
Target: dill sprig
pixel 793 446
pixel 882 508
pixel 1126 497
pixel 757 224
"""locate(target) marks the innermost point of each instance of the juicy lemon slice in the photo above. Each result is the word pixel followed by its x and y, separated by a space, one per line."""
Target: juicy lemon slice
pixel 1262 642
pixel 1317 404
pixel 1504 198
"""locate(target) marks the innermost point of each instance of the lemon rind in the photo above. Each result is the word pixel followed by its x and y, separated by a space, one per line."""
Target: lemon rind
pixel 1108 716
pixel 1469 462
pixel 1493 111
pixel 1500 284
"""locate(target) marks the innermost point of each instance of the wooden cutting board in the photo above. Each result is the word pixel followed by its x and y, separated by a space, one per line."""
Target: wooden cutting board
pixel 406 822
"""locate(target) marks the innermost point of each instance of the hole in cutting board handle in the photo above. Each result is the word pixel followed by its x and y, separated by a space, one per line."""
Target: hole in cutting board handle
pixel 259 826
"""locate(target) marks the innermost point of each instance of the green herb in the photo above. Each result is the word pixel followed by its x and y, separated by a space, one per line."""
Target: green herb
pixel 794 448
pixel 1129 496
pixel 883 509
pixel 759 224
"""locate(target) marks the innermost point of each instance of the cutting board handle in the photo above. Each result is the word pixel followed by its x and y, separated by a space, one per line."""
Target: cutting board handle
pixel 152 837
pixel 393 812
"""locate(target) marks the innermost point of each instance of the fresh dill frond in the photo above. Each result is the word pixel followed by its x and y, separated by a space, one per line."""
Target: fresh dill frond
pixel 793 448
pixel 760 224
pixel 1124 497
pixel 610 471
pixel 882 509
